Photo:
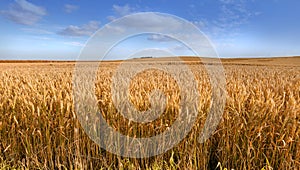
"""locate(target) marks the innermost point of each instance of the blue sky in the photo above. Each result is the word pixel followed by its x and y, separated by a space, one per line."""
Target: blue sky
pixel 58 29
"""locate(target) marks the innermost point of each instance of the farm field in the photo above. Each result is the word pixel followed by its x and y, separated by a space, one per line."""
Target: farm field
pixel 259 129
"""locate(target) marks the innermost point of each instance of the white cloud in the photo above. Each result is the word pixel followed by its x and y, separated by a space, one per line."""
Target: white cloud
pixel 151 21
pixel 182 35
pixel 147 21
pixel 227 1
pixel 68 8
pixel 159 38
pixel 74 43
pixel 154 27
pixel 36 31
pixel 24 12
pixel 116 29
pixel 157 26
pixel 42 38
pixel 199 24
pixel 84 30
pixel 120 11
pixel 111 18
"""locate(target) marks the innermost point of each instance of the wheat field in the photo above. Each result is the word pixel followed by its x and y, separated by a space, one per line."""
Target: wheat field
pixel 259 129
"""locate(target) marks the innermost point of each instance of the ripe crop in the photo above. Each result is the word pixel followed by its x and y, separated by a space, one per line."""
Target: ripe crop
pixel 260 126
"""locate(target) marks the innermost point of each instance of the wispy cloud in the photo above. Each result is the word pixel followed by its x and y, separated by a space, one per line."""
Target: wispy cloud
pixel 74 43
pixel 159 38
pixel 68 8
pixel 36 31
pixel 150 21
pixel 225 27
pixel 120 11
pixel 199 24
pixel 24 12
pixel 42 38
pixel 233 14
pixel 84 30
pixel 123 10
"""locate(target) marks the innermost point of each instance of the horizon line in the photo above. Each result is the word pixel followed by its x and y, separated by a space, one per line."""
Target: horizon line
pixel 143 58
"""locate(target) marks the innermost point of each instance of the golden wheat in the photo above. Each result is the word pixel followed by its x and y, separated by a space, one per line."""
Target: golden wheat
pixel 259 128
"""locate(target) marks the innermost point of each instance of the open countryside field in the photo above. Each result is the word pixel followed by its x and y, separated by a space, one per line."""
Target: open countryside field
pixel 260 126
